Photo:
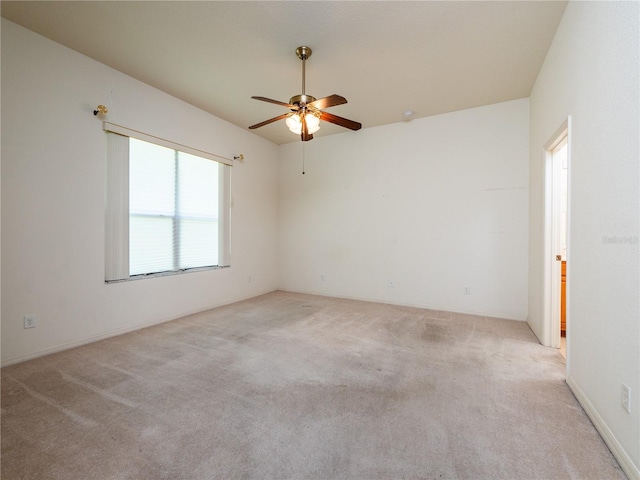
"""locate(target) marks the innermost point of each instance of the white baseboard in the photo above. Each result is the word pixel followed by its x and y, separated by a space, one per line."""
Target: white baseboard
pixel 19 358
pixel 425 306
pixel 534 328
pixel 630 469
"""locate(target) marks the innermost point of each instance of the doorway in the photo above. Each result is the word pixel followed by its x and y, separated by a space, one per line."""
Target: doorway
pixel 557 268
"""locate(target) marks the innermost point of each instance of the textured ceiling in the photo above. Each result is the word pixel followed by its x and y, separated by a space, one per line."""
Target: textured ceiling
pixel 384 57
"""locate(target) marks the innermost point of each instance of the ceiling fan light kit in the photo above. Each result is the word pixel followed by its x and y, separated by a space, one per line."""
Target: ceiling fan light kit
pixel 305 110
pixel 294 122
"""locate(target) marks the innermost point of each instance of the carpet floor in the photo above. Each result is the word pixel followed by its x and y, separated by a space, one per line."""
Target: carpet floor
pixel 290 386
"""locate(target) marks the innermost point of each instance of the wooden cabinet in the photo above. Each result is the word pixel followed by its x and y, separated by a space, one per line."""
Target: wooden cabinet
pixel 563 300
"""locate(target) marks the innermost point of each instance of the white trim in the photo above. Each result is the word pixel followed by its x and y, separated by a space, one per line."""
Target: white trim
pixel 607 435
pixel 61 347
pixel 117 208
pixel 168 273
pixel 551 268
pixel 224 221
pixel 515 317
pixel 533 326
pixel 117 214
pixel 129 132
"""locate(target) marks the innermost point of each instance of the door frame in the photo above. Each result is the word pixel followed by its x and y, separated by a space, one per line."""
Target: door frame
pixel 552 267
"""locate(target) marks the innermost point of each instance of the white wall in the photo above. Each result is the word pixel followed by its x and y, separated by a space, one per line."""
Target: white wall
pixel 591 73
pixel 433 205
pixel 53 177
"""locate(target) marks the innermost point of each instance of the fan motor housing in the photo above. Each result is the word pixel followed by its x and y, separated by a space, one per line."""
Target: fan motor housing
pixel 302 100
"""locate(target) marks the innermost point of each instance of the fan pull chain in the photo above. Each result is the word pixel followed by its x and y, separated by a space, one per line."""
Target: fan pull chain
pixel 302 158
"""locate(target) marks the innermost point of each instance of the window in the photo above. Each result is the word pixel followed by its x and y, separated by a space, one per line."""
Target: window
pixel 167 208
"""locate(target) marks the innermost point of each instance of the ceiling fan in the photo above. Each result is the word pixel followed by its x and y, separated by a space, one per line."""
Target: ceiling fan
pixel 305 111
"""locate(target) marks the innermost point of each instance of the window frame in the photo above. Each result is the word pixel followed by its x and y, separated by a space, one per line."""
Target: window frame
pixel 117 204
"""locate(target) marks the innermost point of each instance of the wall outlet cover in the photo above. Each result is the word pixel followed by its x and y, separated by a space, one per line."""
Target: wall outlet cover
pixel 626 397
pixel 29 321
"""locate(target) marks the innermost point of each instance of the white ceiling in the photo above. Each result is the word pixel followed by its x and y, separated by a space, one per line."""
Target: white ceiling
pixel 384 57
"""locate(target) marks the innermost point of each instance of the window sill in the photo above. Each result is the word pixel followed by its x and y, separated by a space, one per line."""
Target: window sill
pixel 167 274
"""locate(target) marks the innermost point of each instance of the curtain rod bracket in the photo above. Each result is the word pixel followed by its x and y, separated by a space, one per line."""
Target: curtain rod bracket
pixel 101 109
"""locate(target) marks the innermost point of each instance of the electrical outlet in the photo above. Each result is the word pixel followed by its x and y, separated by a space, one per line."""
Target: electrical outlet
pixel 467 290
pixel 392 284
pixel 29 321
pixel 626 398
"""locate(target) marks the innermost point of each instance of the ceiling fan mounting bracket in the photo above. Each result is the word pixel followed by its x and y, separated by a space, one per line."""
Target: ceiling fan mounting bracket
pixel 303 52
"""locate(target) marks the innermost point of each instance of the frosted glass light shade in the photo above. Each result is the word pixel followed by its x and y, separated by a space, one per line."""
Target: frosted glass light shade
pixel 313 123
pixel 295 124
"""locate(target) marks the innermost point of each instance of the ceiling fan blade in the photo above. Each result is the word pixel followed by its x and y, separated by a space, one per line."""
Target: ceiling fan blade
pixel 277 102
pixel 343 122
pixel 271 120
pixel 305 136
pixel 330 101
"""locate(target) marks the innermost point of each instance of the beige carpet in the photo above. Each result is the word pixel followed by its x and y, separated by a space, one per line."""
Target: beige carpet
pixel 288 386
